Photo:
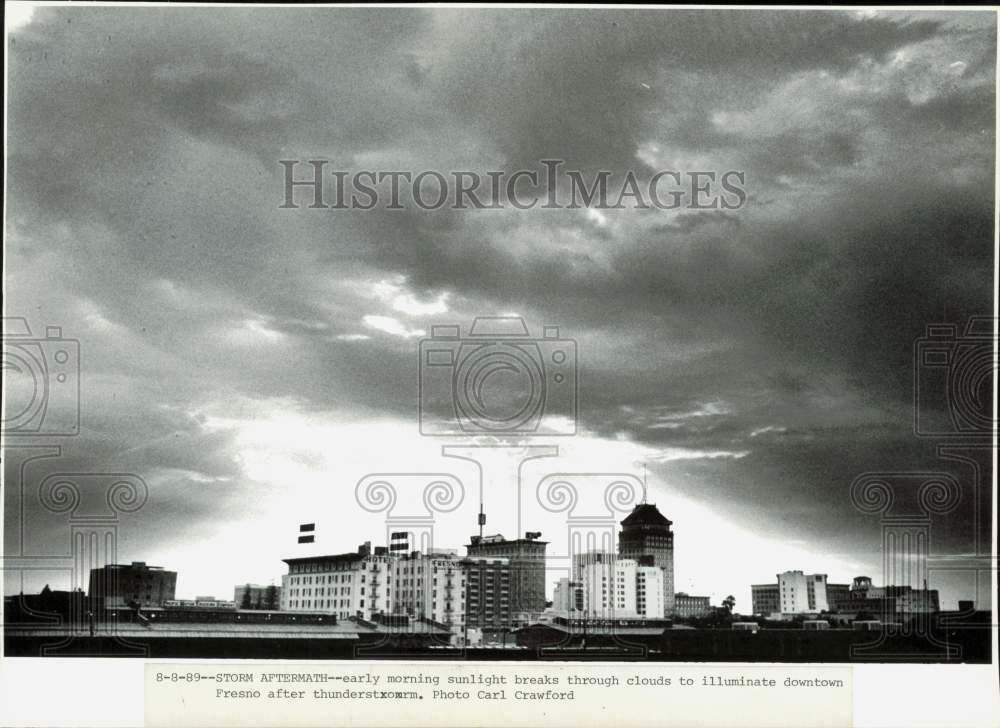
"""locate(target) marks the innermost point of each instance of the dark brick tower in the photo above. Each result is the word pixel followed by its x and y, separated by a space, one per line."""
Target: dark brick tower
pixel 646 533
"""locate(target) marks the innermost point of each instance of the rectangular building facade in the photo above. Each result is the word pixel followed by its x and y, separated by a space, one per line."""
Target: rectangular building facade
pixel 649 592
pixel 887 600
pixel 527 568
pixel 802 593
pixel 430 586
pixel 439 586
pixel 686 605
pixel 766 599
pixel 487 594
pixel 798 593
pixel 122 585
pixel 612 587
pixel 837 593
pixel 347 585
pixel 568 596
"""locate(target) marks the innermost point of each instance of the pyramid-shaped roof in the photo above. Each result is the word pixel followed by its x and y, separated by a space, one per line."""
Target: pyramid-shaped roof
pixel 646 514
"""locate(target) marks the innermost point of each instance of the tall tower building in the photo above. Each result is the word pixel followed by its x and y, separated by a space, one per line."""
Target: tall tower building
pixel 646 533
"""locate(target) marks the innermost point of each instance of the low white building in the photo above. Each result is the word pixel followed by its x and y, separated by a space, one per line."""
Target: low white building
pixel 355 584
pixel 368 583
pixel 607 586
pixel 800 593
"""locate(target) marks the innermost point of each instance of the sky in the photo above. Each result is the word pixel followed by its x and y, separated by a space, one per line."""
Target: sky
pixel 252 364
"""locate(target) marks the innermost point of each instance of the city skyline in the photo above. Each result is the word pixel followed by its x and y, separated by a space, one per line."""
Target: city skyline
pixel 550 585
pixel 253 364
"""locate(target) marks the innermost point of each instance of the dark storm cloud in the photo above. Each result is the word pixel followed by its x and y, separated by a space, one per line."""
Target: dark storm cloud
pixel 143 217
pixel 569 85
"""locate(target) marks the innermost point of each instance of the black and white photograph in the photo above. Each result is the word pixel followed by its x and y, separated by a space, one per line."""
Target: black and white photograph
pixel 491 338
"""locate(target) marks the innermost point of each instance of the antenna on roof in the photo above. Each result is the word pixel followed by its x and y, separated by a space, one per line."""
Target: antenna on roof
pixel 644 489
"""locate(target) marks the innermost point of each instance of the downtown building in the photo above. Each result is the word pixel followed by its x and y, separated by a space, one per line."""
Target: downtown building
pixel 429 586
pixel 765 599
pixel 792 594
pixel 439 586
pixel 355 584
pixel 686 605
pixel 802 593
pixel 489 585
pixel 796 593
pixel 568 596
pixel 885 601
pixel 646 538
pixel 526 559
pixel 123 585
pixel 606 586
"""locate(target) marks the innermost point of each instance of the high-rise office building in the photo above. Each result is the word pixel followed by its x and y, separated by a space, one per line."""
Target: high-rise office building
pixel 646 533
pixel 526 557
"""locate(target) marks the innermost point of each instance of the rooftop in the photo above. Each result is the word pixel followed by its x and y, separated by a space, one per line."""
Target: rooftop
pixel 498 539
pixel 133 565
pixel 364 551
pixel 646 514
pixel 350 556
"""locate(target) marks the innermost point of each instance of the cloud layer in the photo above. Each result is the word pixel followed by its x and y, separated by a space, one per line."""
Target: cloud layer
pixel 756 359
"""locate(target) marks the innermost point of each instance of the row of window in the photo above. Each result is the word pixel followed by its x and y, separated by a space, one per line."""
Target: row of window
pixel 322 591
pixel 325 579
pixel 322 604
pixel 321 566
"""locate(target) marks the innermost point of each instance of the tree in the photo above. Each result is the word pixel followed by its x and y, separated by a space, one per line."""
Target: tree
pixel 729 603
pixel 271 597
pixel 245 602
